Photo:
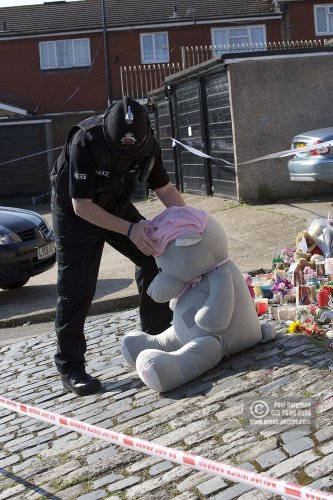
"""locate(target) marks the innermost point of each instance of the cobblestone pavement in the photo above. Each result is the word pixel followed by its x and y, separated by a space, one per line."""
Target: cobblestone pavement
pixel 205 417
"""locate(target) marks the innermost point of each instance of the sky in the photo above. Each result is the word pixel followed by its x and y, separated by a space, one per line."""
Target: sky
pixel 14 3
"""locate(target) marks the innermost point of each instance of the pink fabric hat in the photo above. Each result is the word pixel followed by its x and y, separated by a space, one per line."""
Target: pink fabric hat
pixel 175 222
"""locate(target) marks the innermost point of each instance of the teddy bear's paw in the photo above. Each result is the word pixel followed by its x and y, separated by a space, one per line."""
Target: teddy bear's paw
pixel 145 366
pixel 268 331
pixel 132 344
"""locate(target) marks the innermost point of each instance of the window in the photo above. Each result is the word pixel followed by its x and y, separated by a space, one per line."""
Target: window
pixel 154 47
pixel 323 15
pixel 239 39
pixel 64 54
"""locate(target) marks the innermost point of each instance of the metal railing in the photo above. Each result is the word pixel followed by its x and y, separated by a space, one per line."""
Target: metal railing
pixel 141 79
pixel 191 56
pixel 138 81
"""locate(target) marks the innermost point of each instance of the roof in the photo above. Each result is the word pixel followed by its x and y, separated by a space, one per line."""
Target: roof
pixel 16 104
pixel 212 65
pixel 86 15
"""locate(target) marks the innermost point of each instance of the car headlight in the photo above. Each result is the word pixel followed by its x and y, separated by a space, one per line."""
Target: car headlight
pixel 7 237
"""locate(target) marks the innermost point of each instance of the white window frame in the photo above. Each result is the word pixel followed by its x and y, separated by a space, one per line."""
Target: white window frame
pixel 154 59
pixel 56 66
pixel 218 51
pixel 326 6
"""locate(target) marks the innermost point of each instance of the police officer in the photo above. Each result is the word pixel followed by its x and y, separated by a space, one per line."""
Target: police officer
pixel 92 183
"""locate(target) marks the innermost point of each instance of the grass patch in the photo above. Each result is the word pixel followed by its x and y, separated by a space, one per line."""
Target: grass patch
pixel 118 493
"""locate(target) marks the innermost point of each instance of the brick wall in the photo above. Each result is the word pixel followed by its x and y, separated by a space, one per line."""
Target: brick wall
pixel 81 89
pixel 301 20
pixel 51 91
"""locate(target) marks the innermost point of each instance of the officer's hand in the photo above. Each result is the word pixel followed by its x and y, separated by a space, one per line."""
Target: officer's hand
pixel 140 237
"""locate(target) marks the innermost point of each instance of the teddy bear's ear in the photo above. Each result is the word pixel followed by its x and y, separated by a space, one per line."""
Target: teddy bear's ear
pixel 188 239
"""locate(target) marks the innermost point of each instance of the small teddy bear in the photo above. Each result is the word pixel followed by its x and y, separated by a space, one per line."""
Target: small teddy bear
pixel 307 250
pixel 279 272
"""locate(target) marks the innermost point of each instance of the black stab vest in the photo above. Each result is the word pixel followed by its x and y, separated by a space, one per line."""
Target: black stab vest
pixel 116 179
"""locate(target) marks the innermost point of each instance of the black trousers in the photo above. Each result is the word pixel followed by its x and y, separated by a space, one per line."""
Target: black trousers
pixel 79 251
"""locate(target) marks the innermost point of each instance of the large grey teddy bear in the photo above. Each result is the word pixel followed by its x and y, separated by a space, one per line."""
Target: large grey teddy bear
pixel 214 315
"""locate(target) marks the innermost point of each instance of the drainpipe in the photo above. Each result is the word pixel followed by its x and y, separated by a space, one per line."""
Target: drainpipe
pixel 285 25
pixel 106 56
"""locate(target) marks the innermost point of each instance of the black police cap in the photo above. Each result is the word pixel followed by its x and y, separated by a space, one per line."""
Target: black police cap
pixel 126 127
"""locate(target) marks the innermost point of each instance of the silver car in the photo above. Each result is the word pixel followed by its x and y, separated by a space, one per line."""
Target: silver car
pixel 315 164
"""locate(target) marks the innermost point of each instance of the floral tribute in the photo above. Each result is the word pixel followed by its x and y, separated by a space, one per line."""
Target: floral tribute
pixel 282 286
pixel 312 321
pixel 307 327
pixel 299 285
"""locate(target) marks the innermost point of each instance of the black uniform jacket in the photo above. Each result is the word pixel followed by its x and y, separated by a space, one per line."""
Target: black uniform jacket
pixel 88 168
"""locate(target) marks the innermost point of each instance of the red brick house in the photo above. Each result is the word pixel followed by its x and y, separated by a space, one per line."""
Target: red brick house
pixel 307 19
pixel 54 52
pixel 54 66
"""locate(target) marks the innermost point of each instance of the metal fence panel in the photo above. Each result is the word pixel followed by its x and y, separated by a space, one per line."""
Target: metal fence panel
pixel 189 128
pixel 26 177
pixel 220 139
pixel 165 132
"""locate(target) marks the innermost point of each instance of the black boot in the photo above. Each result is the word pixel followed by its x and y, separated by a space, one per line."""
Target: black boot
pixel 80 382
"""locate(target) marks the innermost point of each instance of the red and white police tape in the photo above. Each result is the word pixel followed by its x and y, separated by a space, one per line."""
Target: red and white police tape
pixel 29 156
pixel 279 154
pixel 276 486
pixel 197 152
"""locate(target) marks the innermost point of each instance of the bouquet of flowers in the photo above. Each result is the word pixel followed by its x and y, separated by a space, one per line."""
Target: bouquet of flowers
pixel 308 327
pixel 317 314
pixel 288 255
pixel 282 287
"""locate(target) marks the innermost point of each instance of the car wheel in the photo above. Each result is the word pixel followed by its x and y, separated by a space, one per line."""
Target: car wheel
pixel 12 286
